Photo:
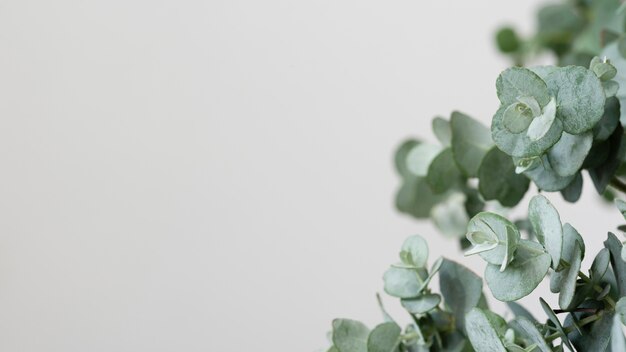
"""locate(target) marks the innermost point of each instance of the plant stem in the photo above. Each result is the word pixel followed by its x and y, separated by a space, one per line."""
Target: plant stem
pixel 597 288
pixel 585 321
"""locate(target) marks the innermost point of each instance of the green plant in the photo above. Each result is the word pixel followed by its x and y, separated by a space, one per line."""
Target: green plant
pixel 553 123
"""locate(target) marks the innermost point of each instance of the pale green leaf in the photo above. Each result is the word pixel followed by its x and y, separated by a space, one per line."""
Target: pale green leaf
pixel 517 82
pixel 384 338
pixel 568 154
pixel 547 226
pixel 443 172
pixel 574 190
pixel 527 329
pixel 523 274
pixel 350 335
pixel 403 282
pixel 422 304
pixel 461 289
pixel 483 334
pixel 546 179
pixel 619 266
pixel 442 130
pixel 414 251
pixel 579 97
pixel 507 234
pixel 419 158
pixel 470 142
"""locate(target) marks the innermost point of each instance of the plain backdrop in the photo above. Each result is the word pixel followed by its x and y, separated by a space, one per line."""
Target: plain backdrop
pixel 216 175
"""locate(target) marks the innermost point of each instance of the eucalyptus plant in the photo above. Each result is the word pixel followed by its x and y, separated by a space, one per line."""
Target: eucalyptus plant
pixel 553 123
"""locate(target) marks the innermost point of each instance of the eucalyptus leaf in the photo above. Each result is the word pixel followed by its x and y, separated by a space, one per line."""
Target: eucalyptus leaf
pixel 350 335
pixel 470 142
pixel 520 144
pixel 403 282
pixel 568 154
pixel 527 329
pixel 483 334
pixel 521 82
pixel 545 178
pixel 461 289
pixel 564 281
pixel 442 130
pixel 574 190
pixel 547 226
pixel 602 174
pixel 450 215
pixel 523 274
pixel 579 97
pixel 421 304
pixel 419 158
pixel 443 173
pixel 384 338
pixel 610 119
pixel 618 343
pixel 556 322
pixel 619 266
pixel 490 225
pixel 414 251
pixel 520 312
pixel 499 181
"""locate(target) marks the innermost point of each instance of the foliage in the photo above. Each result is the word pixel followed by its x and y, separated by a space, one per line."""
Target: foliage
pixel 553 123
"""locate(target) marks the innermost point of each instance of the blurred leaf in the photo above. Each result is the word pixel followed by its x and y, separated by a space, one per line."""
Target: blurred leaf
pixel 470 142
pixel 498 180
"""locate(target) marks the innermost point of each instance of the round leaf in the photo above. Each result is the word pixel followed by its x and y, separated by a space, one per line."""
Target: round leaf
pixel 544 176
pixel 521 82
pixel 443 173
pixel 414 251
pixel 461 288
pixel 422 304
pixel 579 96
pixel 442 130
pixel 384 338
pixel 419 158
pixel 403 282
pixel 523 274
pixel 506 233
pixel 520 144
pixel 568 154
pixel 350 335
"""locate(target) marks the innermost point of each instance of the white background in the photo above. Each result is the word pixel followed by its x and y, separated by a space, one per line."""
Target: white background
pixel 217 175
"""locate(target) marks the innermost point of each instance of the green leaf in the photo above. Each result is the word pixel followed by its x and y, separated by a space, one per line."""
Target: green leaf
pixel 507 40
pixel 491 224
pixel 450 215
pixel 470 142
pixel 483 334
pixel 443 173
pixel 546 179
pixel 611 51
pixel 414 251
pixel 619 266
pixel 350 335
pixel 602 174
pixel 520 312
pixel 416 198
pixel 520 144
pixel 461 289
pixel 602 69
pixel 568 154
pixel 527 329
pixel 523 274
pixel 573 191
pixel 521 82
pixel 621 206
pixel 595 336
pixel 401 154
pixel 547 226
pixel 600 266
pixel 422 304
pixel 419 158
pixel 579 97
pixel 556 322
pixel 384 338
pixel 517 117
pixel 442 130
pixel 498 180
pixel 403 282
pixel 564 281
